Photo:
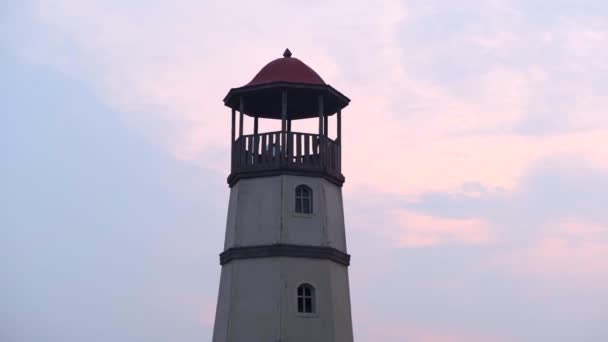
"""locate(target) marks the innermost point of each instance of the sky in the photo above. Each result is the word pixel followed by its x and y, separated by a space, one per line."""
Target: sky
pixel 474 149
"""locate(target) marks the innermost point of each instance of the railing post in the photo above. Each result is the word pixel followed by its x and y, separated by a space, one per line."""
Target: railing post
pixel 306 149
pixel 277 149
pixel 290 148
pixel 298 145
pixel 242 156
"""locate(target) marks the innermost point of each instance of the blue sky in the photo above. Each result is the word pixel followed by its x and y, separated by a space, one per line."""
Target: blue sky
pixel 488 226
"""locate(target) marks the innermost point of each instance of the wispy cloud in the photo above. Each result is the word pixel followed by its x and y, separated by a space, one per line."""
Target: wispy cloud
pixel 476 136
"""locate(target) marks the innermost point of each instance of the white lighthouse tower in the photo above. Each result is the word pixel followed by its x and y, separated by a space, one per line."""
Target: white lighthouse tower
pixel 284 264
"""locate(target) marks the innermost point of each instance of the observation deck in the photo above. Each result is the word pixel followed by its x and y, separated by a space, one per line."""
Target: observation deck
pixel 275 153
pixel 288 90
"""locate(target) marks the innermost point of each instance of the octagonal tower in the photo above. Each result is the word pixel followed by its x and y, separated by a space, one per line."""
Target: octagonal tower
pixel 285 264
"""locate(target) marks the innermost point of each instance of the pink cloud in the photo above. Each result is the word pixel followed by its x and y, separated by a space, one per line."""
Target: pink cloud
pixel 571 251
pixel 419 230
pixel 370 327
pixel 560 256
pixel 573 228
pixel 167 68
pixel 191 307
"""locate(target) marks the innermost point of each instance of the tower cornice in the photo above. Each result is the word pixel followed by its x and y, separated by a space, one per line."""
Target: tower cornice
pixel 285 250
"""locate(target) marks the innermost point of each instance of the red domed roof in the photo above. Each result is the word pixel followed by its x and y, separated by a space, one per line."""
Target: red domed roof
pixel 286 69
pixel 263 96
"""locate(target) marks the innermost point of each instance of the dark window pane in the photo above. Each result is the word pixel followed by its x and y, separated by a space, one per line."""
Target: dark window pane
pixel 300 291
pixel 303 199
pixel 306 206
pixel 300 305
pixel 305 192
pixel 307 291
pixel 308 305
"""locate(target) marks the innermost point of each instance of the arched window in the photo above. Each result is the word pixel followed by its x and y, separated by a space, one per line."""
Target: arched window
pixel 303 199
pixel 306 299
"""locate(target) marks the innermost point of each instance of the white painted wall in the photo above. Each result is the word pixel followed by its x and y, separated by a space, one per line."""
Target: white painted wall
pixel 262 211
pixel 257 299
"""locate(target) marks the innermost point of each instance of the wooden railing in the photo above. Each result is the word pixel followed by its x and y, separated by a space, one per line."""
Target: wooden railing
pixel 286 150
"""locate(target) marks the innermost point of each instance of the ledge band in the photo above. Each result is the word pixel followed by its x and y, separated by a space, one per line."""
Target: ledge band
pixel 284 250
pixel 235 176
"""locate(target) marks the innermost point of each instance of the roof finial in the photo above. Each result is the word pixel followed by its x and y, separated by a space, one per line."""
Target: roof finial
pixel 287 53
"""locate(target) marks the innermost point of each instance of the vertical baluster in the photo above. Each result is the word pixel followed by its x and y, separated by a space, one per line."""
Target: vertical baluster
pixel 290 148
pixel 233 157
pixel 270 149
pixel 259 150
pixel 273 148
pixel 247 151
pixel 298 148
pixel 242 152
pixel 325 153
pixel 251 149
pixel 280 148
pixel 301 148
pixel 287 154
pixel 340 157
pixel 336 148
pixel 321 152
pixel 270 138
pixel 326 150
pixel 237 153
pixel 263 152
pixel 329 155
pixel 306 149
pixel 316 147
pixel 333 157
pixel 254 152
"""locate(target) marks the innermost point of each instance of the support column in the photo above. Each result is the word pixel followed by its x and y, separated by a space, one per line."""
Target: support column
pixel 283 125
pixel 242 159
pixel 233 124
pixel 320 115
pixel 256 139
pixel 339 141
pixel 241 110
pixel 232 143
pixel 321 155
pixel 339 133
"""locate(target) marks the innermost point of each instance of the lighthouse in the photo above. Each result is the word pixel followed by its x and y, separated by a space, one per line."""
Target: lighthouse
pixel 284 265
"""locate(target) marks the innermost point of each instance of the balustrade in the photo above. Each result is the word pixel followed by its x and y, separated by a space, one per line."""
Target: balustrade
pixel 286 150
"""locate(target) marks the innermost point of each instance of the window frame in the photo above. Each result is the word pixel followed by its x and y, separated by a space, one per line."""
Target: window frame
pixel 313 300
pixel 301 198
